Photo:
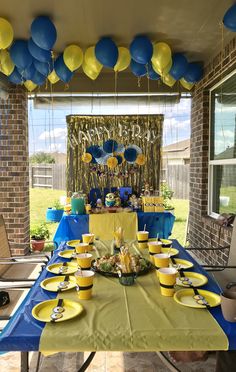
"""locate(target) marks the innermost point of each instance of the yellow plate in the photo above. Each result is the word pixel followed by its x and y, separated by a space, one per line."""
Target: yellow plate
pixel 72 267
pixel 197 280
pixel 170 251
pixel 166 242
pixel 181 264
pixel 72 243
pixel 51 284
pixel 185 297
pixel 43 310
pixel 66 253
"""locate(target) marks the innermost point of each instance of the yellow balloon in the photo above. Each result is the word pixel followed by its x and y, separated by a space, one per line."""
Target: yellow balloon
pixel 124 59
pixel 87 157
pixel 168 80
pixel 6 64
pixel 163 71
pixel 161 55
pixel 53 78
pixel 112 162
pixel 30 85
pixel 6 33
pixel 186 84
pixel 73 57
pixel 141 159
pixel 91 61
pixel 92 74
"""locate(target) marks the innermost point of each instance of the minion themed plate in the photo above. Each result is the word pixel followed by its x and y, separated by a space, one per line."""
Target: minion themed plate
pixel 45 311
pixel 72 243
pixel 59 283
pixel 202 300
pixel 68 253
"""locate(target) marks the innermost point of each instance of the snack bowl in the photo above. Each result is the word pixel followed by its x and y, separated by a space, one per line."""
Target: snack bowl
pixel 127 278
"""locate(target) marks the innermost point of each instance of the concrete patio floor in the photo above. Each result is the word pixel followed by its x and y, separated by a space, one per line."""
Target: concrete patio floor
pixel 102 362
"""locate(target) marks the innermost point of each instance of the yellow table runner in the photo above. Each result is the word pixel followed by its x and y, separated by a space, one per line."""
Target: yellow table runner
pixel 104 225
pixel 135 318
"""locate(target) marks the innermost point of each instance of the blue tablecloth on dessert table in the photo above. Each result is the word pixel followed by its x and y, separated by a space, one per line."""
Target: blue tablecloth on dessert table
pixel 73 226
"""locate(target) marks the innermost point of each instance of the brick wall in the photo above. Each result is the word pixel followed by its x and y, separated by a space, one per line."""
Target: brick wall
pixel 14 168
pixel 203 230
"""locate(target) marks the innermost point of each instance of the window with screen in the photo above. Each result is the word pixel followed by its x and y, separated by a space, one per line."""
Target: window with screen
pixel 222 190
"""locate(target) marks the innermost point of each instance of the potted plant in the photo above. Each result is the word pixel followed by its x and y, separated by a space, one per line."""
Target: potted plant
pixel 39 234
pixel 55 213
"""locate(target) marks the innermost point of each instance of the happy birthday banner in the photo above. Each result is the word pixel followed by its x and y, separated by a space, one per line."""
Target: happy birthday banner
pixel 144 132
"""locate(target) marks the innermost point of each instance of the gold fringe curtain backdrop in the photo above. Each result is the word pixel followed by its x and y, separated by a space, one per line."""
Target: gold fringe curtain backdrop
pixel 144 131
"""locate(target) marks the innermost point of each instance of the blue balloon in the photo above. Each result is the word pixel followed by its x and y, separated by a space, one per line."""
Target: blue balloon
pixel 194 73
pixel 153 75
pixel 179 66
pixel 138 69
pixel 43 67
pixel 38 53
pixel 27 73
pixel 141 49
pixel 20 54
pixel 229 19
pixel 62 70
pixel 43 32
pixel 16 77
pixel 38 78
pixel 106 52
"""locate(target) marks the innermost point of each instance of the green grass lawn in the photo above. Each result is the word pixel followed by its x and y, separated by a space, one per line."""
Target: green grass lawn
pixel 41 199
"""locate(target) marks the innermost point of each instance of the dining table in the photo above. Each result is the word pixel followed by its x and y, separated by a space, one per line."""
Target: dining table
pixel 135 318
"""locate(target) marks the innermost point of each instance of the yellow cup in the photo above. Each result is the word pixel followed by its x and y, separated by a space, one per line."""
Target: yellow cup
pixel 88 238
pixel 84 280
pixel 84 260
pixel 154 247
pixel 88 208
pixel 142 237
pixel 82 247
pixel 161 260
pixel 167 277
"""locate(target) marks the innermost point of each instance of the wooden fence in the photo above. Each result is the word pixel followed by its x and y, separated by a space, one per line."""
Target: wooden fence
pixel 177 178
pixel 53 176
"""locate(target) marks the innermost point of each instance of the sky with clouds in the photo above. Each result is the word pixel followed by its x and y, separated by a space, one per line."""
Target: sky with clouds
pixel 47 125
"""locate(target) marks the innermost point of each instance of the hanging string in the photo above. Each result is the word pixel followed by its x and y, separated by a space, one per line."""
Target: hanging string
pixel 52 115
pixel 221 86
pixel 115 98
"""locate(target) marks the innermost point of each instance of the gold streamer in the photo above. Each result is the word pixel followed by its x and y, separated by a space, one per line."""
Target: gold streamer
pixel 79 175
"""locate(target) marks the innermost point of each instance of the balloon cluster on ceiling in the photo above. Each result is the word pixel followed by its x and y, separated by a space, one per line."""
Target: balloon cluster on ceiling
pixel 113 154
pixel 31 62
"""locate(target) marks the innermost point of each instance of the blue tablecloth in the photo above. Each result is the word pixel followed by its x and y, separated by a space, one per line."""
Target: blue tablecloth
pixel 73 226
pixel 23 332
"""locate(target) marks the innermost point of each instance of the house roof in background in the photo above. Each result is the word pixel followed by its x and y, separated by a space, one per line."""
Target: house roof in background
pixel 177 150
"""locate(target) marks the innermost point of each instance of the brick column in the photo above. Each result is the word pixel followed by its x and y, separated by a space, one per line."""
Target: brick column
pixel 14 169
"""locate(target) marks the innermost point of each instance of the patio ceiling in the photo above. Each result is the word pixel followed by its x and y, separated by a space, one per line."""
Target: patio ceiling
pixel 188 26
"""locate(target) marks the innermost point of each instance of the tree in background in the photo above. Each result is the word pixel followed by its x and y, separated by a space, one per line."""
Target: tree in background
pixel 42 157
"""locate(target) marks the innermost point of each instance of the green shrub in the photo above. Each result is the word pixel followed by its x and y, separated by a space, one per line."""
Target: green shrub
pixel 167 195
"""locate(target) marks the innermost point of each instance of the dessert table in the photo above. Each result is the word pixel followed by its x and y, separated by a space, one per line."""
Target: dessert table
pixel 73 226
